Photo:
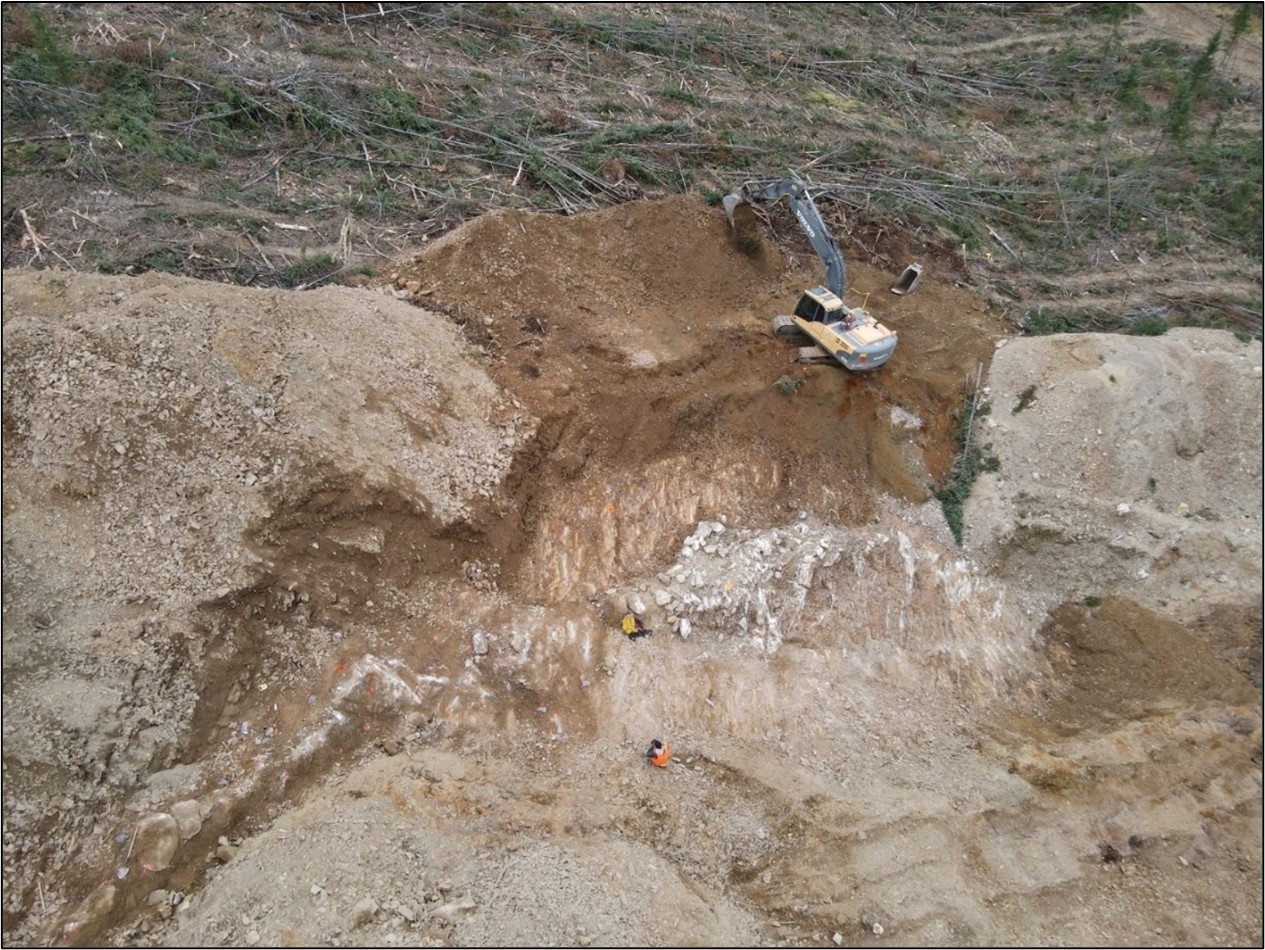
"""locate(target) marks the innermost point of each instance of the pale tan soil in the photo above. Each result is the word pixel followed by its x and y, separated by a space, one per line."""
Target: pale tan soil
pixel 1149 480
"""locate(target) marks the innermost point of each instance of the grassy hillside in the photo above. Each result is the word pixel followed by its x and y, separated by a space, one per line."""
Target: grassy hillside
pixel 1028 144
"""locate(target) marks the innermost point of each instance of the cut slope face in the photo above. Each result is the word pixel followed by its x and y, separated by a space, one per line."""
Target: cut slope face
pixel 1128 466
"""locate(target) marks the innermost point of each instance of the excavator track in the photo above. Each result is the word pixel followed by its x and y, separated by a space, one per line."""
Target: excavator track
pixel 788 331
pixel 813 354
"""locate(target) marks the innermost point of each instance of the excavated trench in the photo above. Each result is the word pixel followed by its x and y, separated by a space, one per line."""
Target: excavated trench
pixel 647 424
pixel 650 458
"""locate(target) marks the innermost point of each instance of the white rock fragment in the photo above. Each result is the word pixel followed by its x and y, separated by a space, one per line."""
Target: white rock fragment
pixel 364 911
pixel 458 908
pixel 157 838
pixel 188 815
pixel 904 419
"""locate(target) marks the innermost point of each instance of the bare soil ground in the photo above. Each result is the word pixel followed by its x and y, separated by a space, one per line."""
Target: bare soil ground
pixel 312 598
pixel 402 591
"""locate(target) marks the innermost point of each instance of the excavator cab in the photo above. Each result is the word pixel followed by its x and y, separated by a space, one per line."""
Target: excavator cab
pixel 819 305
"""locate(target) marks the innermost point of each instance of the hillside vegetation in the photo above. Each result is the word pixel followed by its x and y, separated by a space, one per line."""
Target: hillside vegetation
pixel 1049 151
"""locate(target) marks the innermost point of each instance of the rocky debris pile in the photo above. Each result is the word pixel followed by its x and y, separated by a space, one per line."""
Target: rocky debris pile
pixel 883 595
pixel 151 425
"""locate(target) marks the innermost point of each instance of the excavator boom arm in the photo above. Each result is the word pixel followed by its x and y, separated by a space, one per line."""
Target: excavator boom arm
pixel 801 201
pixel 851 337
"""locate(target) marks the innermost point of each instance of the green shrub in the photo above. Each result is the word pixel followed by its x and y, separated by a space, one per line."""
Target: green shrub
pixel 1026 399
pixel 971 461
pixel 36 52
pixel 310 270
pixel 789 385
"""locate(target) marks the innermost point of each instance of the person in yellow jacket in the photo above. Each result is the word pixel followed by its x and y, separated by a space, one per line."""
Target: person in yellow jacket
pixel 658 753
pixel 633 628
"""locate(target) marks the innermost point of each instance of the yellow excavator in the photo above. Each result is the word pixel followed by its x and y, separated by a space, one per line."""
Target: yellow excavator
pixel 832 331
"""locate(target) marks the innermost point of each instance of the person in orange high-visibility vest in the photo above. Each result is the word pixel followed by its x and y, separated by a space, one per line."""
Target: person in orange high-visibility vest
pixel 658 753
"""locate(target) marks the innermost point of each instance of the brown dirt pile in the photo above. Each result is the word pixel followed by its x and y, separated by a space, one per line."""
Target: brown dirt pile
pixel 603 274
pixel 646 325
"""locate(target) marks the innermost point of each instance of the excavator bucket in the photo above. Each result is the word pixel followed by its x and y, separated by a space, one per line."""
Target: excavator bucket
pixel 730 202
pixel 908 280
pixel 742 219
